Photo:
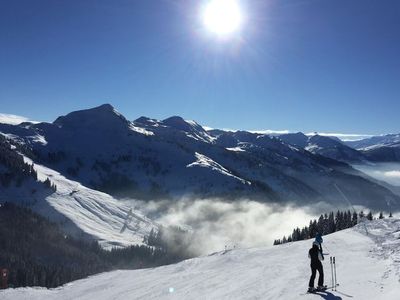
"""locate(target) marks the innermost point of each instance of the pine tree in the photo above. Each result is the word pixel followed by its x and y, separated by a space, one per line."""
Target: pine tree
pixel 47 182
pixel 331 223
pixel 354 220
pixel 303 233
pixel 338 221
pixel 349 219
pixel 313 228
pixel 390 215
pixel 369 216
pixel 320 224
pixel 381 215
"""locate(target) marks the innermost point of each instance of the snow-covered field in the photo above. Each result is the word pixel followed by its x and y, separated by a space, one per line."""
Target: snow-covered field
pixel 368 267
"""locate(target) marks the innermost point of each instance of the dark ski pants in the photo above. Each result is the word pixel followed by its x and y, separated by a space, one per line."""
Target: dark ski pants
pixel 314 270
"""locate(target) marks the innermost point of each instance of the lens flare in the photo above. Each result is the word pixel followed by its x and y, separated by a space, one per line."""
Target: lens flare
pixel 222 17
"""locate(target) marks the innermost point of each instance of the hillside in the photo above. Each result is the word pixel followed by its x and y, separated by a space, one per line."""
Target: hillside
pixel 38 253
pixel 368 267
pixel 79 210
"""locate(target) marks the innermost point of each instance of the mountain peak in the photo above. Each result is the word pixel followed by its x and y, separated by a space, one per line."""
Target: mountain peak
pixel 327 140
pixel 296 139
pixel 146 121
pixel 174 120
pixel 102 116
pixel 189 127
pixel 181 124
pixel 105 107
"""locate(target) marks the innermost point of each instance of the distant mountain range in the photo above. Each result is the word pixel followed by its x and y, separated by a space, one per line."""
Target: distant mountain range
pixel 101 150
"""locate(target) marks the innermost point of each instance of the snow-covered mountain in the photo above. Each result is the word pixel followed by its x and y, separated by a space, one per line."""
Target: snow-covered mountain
pixel 367 267
pixel 383 153
pixel 152 159
pixel 375 141
pixel 327 146
pixel 384 148
pixel 301 156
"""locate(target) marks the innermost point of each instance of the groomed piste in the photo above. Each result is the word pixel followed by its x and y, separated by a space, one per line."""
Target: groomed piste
pixel 368 267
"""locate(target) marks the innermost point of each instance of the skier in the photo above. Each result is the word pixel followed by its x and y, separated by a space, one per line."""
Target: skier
pixel 315 254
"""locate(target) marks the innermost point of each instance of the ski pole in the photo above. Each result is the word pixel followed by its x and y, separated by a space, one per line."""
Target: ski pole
pixel 334 266
pixel 331 271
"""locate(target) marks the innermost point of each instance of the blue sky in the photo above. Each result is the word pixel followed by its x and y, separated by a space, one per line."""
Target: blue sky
pixel 312 65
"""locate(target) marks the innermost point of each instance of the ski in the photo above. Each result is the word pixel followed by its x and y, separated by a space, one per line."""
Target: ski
pixel 315 291
pixel 333 286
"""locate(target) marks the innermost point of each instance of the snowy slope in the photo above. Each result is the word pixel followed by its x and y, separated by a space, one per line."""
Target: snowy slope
pixel 85 212
pixel 367 268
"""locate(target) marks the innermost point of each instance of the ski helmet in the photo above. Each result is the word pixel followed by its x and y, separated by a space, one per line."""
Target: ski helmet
pixel 315 243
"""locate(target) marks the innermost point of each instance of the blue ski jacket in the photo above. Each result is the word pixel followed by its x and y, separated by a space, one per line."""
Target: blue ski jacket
pixel 318 238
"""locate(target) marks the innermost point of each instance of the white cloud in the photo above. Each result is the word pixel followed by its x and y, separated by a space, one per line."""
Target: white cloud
pixel 13 119
pixel 342 136
pixel 388 172
pixel 269 131
pixel 395 174
pixel 261 131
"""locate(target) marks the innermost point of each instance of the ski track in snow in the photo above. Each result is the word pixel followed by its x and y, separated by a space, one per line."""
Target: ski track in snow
pixel 386 234
pixel 206 162
pixel 367 268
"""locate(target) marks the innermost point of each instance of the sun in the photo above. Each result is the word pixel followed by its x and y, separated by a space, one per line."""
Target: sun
pixel 222 17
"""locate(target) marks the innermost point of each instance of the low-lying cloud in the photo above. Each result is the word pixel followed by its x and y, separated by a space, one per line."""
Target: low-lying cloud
pixel 393 174
pixel 346 137
pixel 217 224
pixel 388 172
pixel 13 119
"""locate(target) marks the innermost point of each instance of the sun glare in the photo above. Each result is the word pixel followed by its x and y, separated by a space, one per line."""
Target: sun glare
pixel 222 17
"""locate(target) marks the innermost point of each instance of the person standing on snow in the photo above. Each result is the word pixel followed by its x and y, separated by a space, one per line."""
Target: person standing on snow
pixel 315 254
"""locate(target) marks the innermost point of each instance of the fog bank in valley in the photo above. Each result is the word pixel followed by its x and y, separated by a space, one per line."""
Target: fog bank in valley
pixel 217 224
pixel 388 172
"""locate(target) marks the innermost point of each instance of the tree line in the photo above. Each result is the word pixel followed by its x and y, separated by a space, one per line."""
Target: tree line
pixel 327 223
pixel 13 168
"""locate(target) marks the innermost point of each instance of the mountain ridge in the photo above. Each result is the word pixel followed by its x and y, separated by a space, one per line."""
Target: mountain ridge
pixel 149 159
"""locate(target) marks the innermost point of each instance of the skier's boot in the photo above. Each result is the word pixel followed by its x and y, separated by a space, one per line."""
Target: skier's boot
pixel 321 288
pixel 311 290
